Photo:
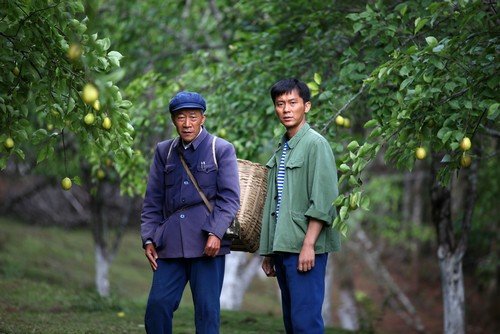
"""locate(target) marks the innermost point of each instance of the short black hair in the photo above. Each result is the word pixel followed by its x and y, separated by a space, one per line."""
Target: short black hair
pixel 288 85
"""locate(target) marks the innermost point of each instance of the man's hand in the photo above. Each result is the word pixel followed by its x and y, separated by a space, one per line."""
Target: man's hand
pixel 268 266
pixel 212 246
pixel 306 258
pixel 307 254
pixel 151 254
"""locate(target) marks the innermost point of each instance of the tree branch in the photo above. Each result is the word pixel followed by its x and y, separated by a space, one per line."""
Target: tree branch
pixel 344 107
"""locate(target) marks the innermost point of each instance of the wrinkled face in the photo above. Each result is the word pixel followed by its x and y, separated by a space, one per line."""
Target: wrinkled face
pixel 291 111
pixel 188 123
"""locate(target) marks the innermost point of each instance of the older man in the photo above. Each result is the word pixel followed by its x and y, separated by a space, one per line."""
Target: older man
pixel 183 239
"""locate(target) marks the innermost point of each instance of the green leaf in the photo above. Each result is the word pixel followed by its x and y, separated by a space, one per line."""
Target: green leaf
pixel 438 48
pixel 419 24
pixel 353 145
pixel 317 78
pixel 370 123
pixel 344 168
pixel 406 82
pixel 493 111
pixel 365 203
pixel 343 212
pixel 338 201
pixel 313 86
pixel 114 58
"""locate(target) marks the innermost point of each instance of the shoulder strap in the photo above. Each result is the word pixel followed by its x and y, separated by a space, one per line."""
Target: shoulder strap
pixel 207 203
pixel 170 148
pixel 213 152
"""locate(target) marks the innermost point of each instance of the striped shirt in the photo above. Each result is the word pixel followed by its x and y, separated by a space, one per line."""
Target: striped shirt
pixel 280 178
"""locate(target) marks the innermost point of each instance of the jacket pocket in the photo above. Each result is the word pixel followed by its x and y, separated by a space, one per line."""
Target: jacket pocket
pixel 168 173
pixel 158 235
pixel 295 163
pixel 300 222
pixel 206 175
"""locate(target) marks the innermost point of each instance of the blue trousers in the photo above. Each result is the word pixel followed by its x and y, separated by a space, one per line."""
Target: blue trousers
pixel 302 293
pixel 205 276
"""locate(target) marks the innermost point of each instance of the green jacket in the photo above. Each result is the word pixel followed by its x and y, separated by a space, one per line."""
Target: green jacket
pixel 309 191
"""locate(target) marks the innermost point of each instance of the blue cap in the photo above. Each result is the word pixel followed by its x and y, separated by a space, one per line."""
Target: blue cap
pixel 187 100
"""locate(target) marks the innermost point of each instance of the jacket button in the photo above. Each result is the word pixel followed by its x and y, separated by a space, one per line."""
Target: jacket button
pixel 186 182
pixel 273 214
pixel 183 216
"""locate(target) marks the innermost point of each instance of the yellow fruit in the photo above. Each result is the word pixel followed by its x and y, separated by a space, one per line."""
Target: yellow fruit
pixel 100 174
pixel 74 51
pixel 347 123
pixel 8 143
pixel 54 112
pixel 89 118
pixel 106 123
pixel 90 93
pixel 96 105
pixel 339 120
pixel 66 183
pixel 420 153
pixel 465 160
pixel 465 144
pixel 15 71
pixel 222 133
pixel 50 127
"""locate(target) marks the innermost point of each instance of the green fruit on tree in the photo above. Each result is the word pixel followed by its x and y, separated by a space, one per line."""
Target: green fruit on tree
pixel 100 174
pixel 96 105
pixel 89 118
pixel 106 123
pixel 420 153
pixel 74 51
pixel 222 133
pixel 8 143
pixel 465 144
pixel 465 160
pixel 339 120
pixel 347 123
pixel 66 183
pixel 15 71
pixel 90 93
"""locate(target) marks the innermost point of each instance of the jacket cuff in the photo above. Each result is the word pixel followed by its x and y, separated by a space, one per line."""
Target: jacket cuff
pixel 318 215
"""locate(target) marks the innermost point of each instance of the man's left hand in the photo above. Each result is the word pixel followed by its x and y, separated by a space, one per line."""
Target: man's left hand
pixel 306 259
pixel 212 246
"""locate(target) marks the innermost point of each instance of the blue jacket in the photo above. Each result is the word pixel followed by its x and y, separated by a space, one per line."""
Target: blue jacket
pixel 174 216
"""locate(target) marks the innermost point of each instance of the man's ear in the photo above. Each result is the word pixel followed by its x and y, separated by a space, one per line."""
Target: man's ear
pixel 307 106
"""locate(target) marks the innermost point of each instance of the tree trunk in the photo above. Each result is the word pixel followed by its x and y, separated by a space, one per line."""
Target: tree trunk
pixel 450 264
pixel 102 271
pixel 239 272
pixel 451 252
pixel 348 308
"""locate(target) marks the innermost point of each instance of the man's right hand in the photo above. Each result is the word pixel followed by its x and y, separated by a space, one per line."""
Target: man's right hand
pixel 151 254
pixel 268 266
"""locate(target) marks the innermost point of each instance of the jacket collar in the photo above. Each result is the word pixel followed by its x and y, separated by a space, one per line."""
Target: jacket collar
pixel 295 139
pixel 197 141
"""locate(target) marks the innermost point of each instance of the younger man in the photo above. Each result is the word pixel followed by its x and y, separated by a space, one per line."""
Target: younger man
pixel 296 234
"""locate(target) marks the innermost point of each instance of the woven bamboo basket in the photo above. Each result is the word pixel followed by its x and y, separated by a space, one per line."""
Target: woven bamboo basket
pixel 253 188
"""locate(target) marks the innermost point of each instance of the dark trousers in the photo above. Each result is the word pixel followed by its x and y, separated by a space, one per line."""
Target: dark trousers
pixel 302 294
pixel 205 276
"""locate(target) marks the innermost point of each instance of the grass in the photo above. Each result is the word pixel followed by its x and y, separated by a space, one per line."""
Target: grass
pixel 47 286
